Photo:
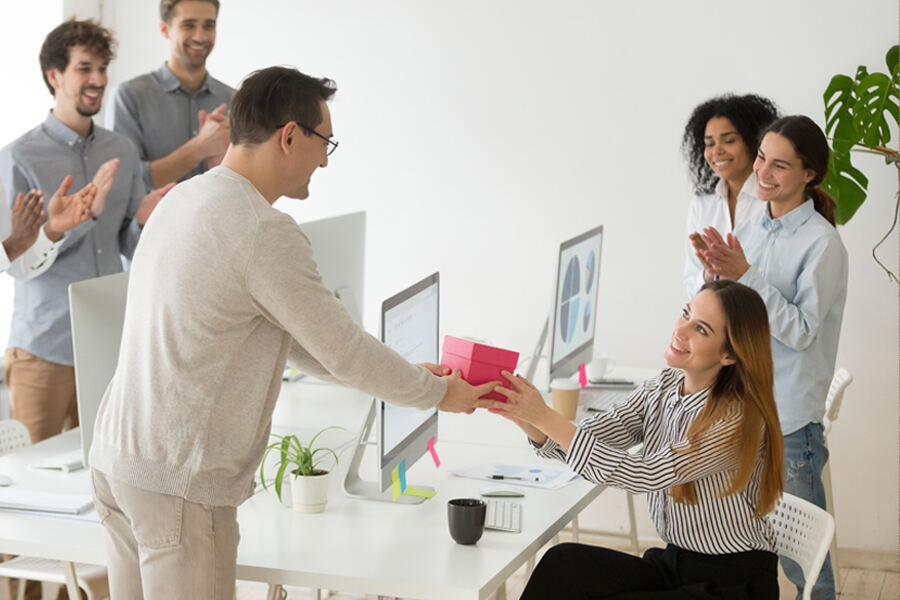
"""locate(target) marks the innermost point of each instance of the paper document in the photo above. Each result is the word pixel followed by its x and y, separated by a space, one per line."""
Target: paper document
pixel 65 462
pixel 541 476
pixel 46 502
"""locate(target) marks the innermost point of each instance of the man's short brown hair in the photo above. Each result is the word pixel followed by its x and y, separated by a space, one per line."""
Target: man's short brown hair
pixel 167 8
pixel 98 40
pixel 271 97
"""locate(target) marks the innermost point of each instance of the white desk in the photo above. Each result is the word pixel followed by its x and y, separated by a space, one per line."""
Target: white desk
pixel 358 546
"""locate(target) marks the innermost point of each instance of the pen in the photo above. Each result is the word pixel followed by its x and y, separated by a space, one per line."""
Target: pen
pixel 511 477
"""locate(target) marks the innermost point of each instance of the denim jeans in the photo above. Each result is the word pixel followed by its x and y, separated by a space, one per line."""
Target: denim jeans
pixel 805 456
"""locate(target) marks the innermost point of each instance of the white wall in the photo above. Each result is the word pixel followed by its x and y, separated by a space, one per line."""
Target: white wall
pixel 478 135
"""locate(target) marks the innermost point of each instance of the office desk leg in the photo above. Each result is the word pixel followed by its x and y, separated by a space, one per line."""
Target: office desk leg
pixel 633 523
pixel 71 581
pixel 575 536
pixel 275 592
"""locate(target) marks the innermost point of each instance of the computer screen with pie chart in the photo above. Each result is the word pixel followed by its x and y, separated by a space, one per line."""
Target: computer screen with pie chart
pixel 575 302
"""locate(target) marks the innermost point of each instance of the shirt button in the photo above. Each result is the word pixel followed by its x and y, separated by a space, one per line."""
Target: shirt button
pixel 760 270
pixel 99 251
pixel 194 132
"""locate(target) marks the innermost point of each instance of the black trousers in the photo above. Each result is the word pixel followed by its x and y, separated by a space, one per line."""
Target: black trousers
pixel 577 571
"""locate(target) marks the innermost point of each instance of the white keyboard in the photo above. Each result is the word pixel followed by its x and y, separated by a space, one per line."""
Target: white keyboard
pixel 603 400
pixel 503 515
pixel 65 461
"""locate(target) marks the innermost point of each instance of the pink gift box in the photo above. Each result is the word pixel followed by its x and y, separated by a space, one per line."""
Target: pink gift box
pixel 479 363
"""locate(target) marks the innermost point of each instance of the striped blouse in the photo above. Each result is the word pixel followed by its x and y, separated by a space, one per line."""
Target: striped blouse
pixel 658 416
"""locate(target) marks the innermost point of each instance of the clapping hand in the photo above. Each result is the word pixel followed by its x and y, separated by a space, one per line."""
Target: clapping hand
pixel 699 247
pixel 103 180
pixel 27 217
pixel 150 201
pixel 725 256
pixel 214 134
pixel 68 210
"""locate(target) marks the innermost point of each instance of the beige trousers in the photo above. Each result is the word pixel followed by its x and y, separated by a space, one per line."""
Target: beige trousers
pixel 162 547
pixel 42 394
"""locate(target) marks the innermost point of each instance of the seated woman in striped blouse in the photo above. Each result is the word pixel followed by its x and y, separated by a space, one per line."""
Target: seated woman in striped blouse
pixel 711 464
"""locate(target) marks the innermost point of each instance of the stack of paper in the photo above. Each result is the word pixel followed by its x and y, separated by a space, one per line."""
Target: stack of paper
pixel 46 502
pixel 542 476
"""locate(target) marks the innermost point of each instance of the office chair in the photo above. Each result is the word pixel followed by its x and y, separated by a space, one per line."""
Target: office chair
pixel 803 532
pixel 834 400
pixel 91 578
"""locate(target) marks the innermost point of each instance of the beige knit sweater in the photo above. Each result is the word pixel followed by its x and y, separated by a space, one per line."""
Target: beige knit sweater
pixel 223 289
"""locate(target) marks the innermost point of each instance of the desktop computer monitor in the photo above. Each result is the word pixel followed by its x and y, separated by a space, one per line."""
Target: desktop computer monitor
pixel 97 311
pixel 575 303
pixel 409 326
pixel 339 247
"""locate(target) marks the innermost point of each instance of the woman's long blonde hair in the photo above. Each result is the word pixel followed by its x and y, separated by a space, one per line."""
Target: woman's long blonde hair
pixel 748 381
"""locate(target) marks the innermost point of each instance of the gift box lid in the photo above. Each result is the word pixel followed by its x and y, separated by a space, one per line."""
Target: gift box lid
pixel 481 352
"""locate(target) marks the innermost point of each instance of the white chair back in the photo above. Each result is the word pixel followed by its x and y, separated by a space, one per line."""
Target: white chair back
pixel 802 533
pixel 842 378
pixel 13 434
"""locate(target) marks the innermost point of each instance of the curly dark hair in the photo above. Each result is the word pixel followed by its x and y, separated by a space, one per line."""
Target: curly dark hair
pixel 55 50
pixel 750 114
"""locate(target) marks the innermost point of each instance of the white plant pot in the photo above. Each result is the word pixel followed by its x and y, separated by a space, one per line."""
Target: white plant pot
pixel 309 494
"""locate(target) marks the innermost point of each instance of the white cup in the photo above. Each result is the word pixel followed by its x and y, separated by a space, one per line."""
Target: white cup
pixel 600 367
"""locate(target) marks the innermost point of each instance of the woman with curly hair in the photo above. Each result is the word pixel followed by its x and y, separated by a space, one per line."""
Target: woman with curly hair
pixel 720 143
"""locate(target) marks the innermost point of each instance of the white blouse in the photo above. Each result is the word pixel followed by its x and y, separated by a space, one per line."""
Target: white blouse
pixel 711 210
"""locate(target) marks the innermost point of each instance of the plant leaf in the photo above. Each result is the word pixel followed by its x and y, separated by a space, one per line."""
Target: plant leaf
pixel 279 478
pixel 846 184
pixel 840 97
pixel 891 59
pixel 877 97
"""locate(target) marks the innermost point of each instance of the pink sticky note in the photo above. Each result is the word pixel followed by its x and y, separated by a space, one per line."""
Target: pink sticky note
pixel 582 375
pixel 437 461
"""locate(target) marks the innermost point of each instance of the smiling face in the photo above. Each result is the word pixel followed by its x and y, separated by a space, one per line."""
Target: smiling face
pixel 191 33
pixel 79 88
pixel 726 153
pixel 310 153
pixel 781 177
pixel 697 346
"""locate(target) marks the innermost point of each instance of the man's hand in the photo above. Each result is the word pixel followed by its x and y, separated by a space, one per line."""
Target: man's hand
pixel 63 206
pixel 725 256
pixel 213 135
pixel 27 218
pixel 67 212
pixel 462 397
pixel 150 201
pixel 103 180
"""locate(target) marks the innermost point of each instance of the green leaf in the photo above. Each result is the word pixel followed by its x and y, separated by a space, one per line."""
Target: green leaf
pixel 878 97
pixel 891 60
pixel 840 97
pixel 846 184
pixel 279 478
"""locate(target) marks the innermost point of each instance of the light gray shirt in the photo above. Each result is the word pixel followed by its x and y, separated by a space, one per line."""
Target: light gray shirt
pixel 40 159
pixel 159 114
pixel 798 265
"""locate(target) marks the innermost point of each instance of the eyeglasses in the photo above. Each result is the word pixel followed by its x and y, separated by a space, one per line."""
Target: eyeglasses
pixel 332 144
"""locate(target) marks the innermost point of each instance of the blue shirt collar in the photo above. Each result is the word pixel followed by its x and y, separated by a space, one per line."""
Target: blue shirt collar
pixel 61 132
pixel 791 221
pixel 171 83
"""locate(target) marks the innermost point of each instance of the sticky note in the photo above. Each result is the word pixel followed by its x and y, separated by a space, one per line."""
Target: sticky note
pixel 395 481
pixel 402 473
pixel 419 493
pixel 437 461
pixel 582 375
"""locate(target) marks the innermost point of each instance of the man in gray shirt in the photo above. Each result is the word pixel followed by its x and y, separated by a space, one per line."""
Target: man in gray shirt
pixel 176 114
pixel 73 58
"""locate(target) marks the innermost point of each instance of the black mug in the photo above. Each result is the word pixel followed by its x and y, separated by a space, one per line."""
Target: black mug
pixel 466 519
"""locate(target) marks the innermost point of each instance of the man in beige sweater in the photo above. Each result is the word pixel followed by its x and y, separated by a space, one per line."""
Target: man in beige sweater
pixel 223 290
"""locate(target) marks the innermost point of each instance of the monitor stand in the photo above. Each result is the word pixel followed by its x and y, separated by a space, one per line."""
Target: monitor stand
pixel 356 487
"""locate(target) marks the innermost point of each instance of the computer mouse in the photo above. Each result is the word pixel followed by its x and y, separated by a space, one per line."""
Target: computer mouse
pixel 4 480
pixel 501 491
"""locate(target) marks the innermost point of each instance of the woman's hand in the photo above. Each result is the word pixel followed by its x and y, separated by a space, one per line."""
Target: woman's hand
pixel 437 370
pixel 523 402
pixel 725 256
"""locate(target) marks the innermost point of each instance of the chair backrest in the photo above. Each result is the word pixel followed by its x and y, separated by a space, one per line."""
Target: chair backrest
pixel 13 434
pixel 842 378
pixel 803 533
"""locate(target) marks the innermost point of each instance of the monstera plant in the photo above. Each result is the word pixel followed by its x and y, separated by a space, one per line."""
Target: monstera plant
pixel 858 114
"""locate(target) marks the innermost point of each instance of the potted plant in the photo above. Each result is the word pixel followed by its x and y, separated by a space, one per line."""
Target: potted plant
pixel 858 115
pixel 309 483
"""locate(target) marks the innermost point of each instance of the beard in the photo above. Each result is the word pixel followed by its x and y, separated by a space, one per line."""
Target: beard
pixel 89 111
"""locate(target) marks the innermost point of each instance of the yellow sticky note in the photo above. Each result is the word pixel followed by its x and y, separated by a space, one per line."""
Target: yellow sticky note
pixel 395 481
pixel 420 493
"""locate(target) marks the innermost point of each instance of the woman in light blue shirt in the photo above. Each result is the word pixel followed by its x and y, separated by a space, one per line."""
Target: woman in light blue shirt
pixel 795 260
